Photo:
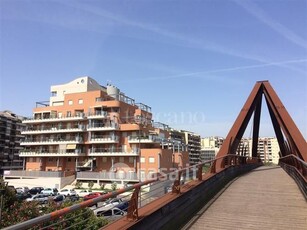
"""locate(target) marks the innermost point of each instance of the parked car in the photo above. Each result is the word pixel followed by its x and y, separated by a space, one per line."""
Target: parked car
pixel 50 191
pixel 23 196
pixel 68 192
pixel 83 193
pixel 93 195
pixel 35 190
pixel 112 214
pixel 72 198
pixel 24 189
pixel 59 199
pixel 41 198
pixel 112 203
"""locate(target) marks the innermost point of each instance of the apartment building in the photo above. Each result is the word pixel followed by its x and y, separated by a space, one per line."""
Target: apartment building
pixel 193 144
pixel 210 147
pixel 10 138
pixel 267 150
pixel 99 132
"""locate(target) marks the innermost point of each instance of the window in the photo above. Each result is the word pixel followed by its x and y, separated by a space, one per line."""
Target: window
pixel 131 159
pixel 69 159
pixel 104 159
pixel 68 114
pixel 142 159
pixel 70 102
pixel 53 93
pixel 151 160
pixel 80 101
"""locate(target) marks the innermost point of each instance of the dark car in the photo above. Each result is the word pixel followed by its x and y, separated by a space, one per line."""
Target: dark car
pixel 36 190
pixel 23 196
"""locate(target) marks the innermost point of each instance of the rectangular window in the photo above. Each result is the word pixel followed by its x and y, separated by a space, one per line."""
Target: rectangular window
pixel 131 159
pixel 104 159
pixel 68 159
pixel 80 101
pixel 142 159
pixel 70 102
pixel 151 160
pixel 53 93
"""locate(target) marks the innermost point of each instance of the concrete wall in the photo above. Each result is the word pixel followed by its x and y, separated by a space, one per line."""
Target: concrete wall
pixel 49 182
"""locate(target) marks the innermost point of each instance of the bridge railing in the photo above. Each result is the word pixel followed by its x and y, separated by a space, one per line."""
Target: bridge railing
pixel 139 194
pixel 297 169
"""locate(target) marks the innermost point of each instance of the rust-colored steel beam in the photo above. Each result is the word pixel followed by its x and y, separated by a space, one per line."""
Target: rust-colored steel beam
pixel 132 212
pixel 236 132
pixel 283 124
pixel 256 127
pixel 296 138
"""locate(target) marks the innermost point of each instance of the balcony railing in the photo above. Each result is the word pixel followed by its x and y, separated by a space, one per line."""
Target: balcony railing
pixel 50 141
pixel 113 152
pixel 102 126
pixel 104 139
pixel 33 153
pixel 144 139
pixel 79 128
pixel 97 114
pixel 77 116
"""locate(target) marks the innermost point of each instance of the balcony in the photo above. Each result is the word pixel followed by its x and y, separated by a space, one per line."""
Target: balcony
pixel 78 116
pixel 63 153
pixel 80 128
pixel 97 115
pixel 113 152
pixel 144 139
pixel 102 127
pixel 51 141
pixel 104 139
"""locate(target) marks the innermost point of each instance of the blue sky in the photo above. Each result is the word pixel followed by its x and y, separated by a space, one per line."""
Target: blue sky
pixel 194 62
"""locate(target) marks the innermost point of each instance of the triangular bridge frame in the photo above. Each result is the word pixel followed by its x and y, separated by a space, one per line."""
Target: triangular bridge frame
pixel 290 139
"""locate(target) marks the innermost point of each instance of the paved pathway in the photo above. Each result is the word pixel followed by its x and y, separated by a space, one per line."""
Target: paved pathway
pixel 266 198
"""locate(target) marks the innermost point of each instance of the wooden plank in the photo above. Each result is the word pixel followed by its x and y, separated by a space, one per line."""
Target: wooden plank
pixel 266 198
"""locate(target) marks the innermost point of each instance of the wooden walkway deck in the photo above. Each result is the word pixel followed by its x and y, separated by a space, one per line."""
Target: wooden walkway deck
pixel 266 198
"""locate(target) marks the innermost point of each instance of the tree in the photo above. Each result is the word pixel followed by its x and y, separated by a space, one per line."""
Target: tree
pixel 15 211
pixel 90 185
pixel 79 184
pixel 114 186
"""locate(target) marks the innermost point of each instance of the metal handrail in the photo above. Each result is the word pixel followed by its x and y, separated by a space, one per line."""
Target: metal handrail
pixel 136 187
pixel 296 157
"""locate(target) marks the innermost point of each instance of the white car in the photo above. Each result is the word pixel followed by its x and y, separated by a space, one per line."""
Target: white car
pixel 111 204
pixel 111 214
pixel 83 193
pixel 50 191
pixel 22 189
pixel 68 192
pixel 41 198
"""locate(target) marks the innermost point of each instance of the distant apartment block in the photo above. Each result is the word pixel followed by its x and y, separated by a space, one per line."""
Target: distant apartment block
pixel 100 133
pixel 267 150
pixel 209 147
pixel 193 144
pixel 10 138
